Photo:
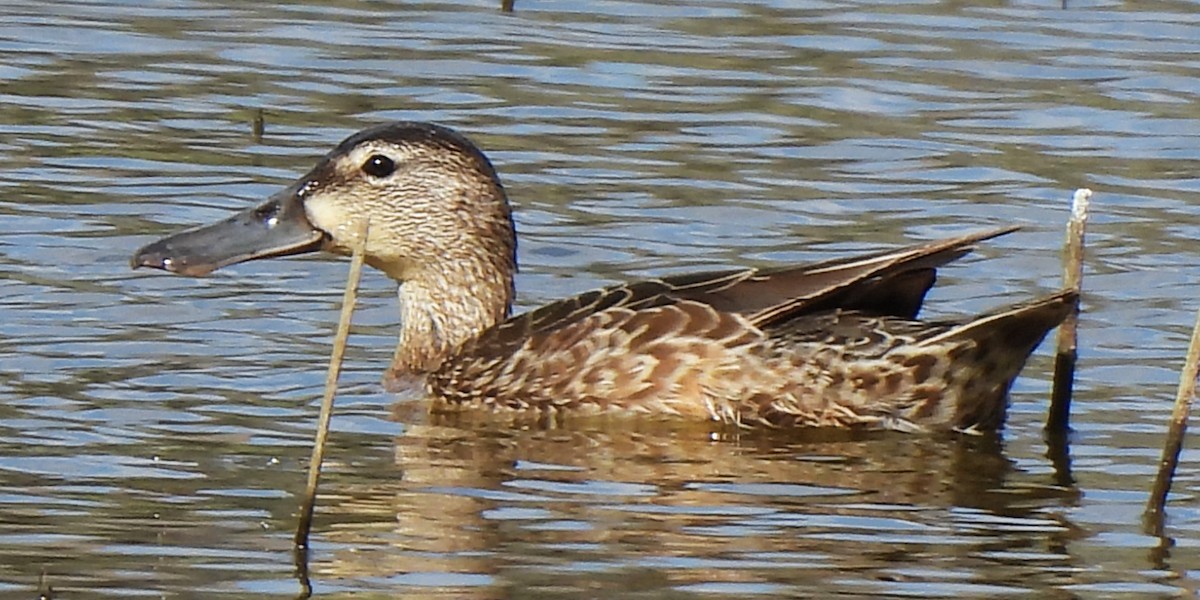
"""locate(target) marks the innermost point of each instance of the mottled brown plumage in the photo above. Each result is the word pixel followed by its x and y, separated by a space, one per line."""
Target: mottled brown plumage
pixel 830 344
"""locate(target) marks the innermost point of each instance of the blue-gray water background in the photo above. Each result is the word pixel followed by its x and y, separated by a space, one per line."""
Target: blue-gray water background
pixel 154 430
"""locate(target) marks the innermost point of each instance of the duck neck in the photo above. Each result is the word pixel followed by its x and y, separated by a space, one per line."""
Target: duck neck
pixel 442 309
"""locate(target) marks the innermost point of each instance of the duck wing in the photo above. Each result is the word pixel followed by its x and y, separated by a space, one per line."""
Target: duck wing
pixel 891 283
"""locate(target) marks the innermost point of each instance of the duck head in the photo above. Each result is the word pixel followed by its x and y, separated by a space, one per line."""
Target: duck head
pixel 439 223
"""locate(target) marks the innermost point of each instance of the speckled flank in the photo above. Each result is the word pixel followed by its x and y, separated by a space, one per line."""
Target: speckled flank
pixel 688 359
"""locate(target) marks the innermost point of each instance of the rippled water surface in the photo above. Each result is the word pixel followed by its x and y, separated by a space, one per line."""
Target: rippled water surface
pixel 155 429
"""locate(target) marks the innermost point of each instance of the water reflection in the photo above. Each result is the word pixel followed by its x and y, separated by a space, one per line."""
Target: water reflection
pixel 660 506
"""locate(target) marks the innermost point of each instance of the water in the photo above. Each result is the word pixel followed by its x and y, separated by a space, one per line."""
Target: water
pixel 154 430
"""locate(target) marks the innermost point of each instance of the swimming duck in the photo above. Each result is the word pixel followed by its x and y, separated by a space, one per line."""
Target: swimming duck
pixel 828 344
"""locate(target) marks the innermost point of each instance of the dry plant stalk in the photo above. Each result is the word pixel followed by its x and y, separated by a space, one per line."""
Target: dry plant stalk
pixel 1058 420
pixel 1174 444
pixel 349 298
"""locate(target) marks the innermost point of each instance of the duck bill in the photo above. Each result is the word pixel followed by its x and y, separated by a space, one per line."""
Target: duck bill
pixel 277 227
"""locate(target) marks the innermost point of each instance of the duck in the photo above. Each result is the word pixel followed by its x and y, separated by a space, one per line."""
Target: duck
pixel 829 344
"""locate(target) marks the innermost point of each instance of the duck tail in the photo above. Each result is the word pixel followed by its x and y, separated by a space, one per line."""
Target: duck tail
pixel 999 343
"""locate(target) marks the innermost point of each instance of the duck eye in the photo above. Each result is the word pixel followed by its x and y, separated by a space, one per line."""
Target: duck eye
pixel 379 166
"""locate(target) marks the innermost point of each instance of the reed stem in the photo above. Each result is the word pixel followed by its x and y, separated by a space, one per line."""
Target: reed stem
pixel 349 298
pixel 1059 418
pixel 1179 417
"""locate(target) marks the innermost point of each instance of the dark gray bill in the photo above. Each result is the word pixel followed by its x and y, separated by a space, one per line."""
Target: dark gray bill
pixel 277 227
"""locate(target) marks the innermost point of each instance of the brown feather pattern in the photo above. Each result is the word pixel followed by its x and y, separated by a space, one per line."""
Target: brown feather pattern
pixel 643 348
pixel 831 369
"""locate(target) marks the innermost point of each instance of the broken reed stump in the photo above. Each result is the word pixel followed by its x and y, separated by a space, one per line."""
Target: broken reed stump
pixel 1059 418
pixel 1179 416
pixel 349 297
pixel 258 124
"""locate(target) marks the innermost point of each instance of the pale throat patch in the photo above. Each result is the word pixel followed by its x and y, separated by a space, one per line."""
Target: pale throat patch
pixel 332 218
